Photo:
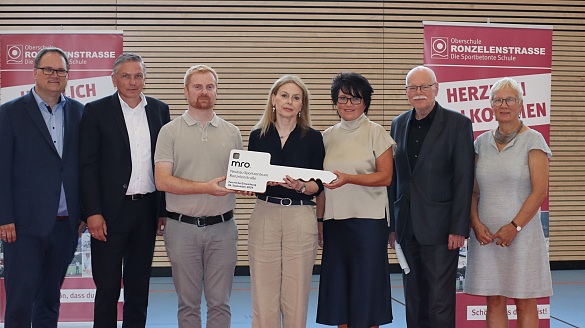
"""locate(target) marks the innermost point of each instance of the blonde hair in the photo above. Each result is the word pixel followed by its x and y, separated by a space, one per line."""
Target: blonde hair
pixel 269 116
pixel 199 69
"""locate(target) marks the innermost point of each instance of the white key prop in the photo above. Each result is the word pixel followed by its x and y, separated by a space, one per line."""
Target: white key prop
pixel 251 171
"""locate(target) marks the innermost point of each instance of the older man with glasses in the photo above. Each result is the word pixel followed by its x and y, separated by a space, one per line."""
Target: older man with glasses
pixel 430 199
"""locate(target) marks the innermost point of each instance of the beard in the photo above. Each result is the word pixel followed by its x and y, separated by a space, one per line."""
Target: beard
pixel 203 103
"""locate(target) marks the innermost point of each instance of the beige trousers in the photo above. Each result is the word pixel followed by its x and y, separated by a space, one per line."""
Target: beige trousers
pixel 282 246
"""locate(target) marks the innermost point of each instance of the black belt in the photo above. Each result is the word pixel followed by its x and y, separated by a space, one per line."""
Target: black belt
pixel 285 201
pixel 137 196
pixel 62 218
pixel 202 221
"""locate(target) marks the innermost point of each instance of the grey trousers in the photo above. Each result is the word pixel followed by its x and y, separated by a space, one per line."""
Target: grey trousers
pixel 203 259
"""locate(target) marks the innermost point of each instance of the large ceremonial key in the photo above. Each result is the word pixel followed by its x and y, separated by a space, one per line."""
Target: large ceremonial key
pixel 251 170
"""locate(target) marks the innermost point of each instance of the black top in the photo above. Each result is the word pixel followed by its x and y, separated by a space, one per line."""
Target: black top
pixel 305 151
pixel 417 133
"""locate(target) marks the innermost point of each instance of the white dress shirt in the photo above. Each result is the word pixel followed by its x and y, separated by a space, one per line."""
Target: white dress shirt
pixel 142 177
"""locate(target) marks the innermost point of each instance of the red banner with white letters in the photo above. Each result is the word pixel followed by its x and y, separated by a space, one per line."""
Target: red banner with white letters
pixel 467 59
pixel 91 57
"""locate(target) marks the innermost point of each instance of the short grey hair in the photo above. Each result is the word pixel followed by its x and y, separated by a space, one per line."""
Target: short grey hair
pixel 128 57
pixel 507 83
pixel 422 68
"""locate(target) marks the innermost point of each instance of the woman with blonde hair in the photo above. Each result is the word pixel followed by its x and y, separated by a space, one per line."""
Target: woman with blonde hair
pixel 282 237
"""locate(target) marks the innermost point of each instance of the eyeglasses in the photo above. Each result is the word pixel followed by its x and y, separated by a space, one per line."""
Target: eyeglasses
pixel 49 71
pixel 353 100
pixel 423 88
pixel 510 101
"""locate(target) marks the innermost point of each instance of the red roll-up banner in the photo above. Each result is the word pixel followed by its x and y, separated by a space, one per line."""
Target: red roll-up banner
pixel 91 57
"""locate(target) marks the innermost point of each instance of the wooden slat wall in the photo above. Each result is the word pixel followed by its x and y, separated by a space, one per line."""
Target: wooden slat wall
pixel 252 43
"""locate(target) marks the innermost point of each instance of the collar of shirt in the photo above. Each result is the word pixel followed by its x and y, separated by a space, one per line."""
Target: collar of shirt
pixel 43 105
pixel 140 106
pixel 191 121
pixel 425 121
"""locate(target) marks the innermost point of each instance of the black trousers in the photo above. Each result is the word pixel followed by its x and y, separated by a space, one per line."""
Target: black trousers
pixel 429 288
pixel 130 240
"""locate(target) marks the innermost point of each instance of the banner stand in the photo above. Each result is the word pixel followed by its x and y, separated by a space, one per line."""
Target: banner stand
pixel 91 57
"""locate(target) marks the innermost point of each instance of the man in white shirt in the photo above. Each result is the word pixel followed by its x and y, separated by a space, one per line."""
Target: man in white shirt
pixel 117 140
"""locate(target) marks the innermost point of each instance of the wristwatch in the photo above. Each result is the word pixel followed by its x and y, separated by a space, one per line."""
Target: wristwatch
pixel 303 188
pixel 518 228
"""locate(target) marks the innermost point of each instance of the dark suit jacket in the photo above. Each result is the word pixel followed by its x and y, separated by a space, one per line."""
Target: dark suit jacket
pixel 31 170
pixel 104 153
pixel 436 194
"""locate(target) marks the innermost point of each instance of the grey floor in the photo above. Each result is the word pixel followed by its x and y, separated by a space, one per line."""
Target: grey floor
pixel 567 303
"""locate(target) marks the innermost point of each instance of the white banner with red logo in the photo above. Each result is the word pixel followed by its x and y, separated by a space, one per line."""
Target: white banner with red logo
pixel 467 59
pixel 91 57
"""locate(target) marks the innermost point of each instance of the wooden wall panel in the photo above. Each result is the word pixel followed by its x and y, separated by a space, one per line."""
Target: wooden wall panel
pixel 252 43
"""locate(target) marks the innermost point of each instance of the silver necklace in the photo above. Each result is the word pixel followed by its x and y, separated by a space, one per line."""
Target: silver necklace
pixel 284 136
pixel 505 138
